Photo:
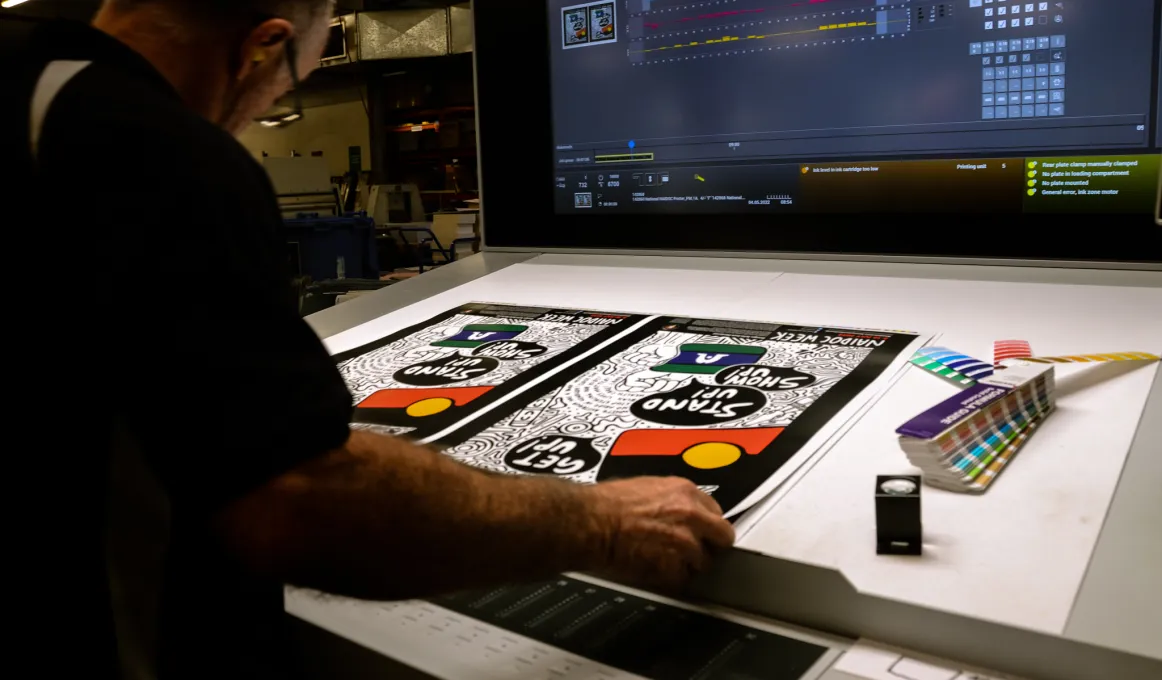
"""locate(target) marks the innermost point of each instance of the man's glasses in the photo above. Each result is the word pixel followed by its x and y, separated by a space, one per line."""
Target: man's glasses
pixel 296 113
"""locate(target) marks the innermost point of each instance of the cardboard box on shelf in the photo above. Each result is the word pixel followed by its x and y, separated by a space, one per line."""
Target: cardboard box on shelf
pixel 448 227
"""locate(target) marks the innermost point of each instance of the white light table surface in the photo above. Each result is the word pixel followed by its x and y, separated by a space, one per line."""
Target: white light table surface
pixel 1061 561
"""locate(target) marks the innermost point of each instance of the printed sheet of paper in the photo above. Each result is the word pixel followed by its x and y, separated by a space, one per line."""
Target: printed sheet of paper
pixel 730 405
pixel 423 379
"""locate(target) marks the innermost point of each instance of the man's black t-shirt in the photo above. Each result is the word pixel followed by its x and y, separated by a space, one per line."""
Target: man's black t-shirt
pixel 165 370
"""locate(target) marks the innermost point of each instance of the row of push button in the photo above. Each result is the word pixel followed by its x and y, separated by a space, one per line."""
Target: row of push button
pixel 1038 97
pixel 1022 111
pixel 1052 83
pixel 1044 42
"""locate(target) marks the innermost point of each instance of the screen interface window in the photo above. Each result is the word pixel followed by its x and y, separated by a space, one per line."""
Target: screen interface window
pixel 855 105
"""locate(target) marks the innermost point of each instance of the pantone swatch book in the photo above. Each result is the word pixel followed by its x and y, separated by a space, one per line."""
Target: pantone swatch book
pixel 964 442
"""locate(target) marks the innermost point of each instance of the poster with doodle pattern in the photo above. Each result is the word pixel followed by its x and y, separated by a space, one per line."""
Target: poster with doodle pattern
pixel 726 404
pixel 424 378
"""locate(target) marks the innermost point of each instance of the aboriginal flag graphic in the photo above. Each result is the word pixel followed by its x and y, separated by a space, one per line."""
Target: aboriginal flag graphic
pixel 732 460
pixel 708 359
pixel 476 334
pixel 406 406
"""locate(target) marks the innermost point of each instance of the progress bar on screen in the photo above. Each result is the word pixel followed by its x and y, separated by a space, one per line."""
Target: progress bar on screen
pixel 624 157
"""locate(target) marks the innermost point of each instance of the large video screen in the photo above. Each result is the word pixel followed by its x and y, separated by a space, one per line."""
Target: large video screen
pixel 769 106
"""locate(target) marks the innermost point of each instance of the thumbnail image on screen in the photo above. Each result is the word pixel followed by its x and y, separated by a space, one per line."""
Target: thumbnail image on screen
pixel 766 105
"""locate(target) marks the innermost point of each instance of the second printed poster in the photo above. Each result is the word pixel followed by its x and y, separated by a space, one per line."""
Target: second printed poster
pixel 726 404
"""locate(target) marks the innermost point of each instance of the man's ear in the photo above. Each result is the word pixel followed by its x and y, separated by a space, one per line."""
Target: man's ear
pixel 265 43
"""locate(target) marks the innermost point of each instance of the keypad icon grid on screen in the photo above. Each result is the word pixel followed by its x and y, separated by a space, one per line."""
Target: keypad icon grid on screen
pixel 1021 77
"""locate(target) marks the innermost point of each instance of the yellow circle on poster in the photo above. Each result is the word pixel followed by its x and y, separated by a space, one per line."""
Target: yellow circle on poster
pixel 429 407
pixel 711 455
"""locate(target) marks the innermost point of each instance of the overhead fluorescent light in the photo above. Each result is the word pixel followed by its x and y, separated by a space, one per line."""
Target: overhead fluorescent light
pixel 12 3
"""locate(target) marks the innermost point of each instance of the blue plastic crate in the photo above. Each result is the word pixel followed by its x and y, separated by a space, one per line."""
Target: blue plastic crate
pixel 323 242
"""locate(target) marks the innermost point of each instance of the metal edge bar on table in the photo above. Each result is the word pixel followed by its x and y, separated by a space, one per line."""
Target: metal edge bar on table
pixel 942 271
pixel 823 599
pixel 839 257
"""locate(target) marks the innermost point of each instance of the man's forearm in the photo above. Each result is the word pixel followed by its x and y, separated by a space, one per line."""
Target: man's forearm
pixel 384 519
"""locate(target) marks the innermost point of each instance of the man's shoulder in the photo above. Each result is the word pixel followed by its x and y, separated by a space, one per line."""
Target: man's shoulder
pixel 106 108
pixel 117 106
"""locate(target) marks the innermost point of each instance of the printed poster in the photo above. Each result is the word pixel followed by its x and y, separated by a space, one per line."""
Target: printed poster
pixel 730 405
pixel 425 378
pixel 589 396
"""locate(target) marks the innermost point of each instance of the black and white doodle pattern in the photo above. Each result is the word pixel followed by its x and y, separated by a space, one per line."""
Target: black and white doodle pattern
pixel 373 371
pixel 597 403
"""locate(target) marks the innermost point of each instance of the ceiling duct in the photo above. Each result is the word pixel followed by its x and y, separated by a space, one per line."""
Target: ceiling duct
pixel 410 33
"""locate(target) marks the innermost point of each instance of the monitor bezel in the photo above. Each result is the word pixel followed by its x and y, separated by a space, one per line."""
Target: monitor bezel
pixel 514 116
pixel 342 26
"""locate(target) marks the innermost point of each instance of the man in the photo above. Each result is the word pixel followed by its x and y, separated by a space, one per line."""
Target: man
pixel 201 453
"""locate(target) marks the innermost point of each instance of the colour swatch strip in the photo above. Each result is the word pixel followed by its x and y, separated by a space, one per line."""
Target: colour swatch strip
pixel 1004 431
pixel 962 363
pixel 970 448
pixel 941 370
pixel 990 473
pixel 955 366
pixel 1011 349
pixel 1090 358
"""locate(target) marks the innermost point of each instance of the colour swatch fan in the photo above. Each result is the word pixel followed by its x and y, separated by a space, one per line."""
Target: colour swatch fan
pixel 965 441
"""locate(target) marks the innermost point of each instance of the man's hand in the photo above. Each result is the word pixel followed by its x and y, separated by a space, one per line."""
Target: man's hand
pixel 663 530
pixel 384 519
